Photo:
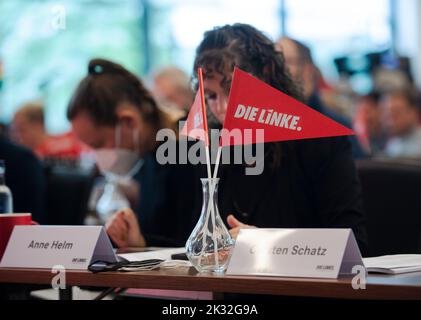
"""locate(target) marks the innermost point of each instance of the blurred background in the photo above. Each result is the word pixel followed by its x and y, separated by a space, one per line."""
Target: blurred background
pixel 45 44
pixel 359 60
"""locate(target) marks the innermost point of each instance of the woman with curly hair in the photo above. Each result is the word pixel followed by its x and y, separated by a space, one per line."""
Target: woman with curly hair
pixel 305 184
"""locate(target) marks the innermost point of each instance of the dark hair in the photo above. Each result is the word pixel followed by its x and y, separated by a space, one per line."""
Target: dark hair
pixel 33 112
pixel 244 46
pixel 409 95
pixel 419 100
pixel 107 86
pixel 304 52
pixel 374 96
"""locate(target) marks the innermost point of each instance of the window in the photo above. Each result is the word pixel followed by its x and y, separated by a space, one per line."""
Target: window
pixel 182 24
pixel 46 45
pixel 44 57
pixel 335 28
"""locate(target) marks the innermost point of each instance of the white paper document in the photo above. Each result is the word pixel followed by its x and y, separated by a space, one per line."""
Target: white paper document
pixel 395 264
pixel 162 254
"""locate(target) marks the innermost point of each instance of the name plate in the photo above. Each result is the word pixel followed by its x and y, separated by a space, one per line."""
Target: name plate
pixel 48 246
pixel 306 253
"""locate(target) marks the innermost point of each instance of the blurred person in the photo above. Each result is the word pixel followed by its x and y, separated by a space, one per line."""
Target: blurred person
pixel 28 129
pixel 419 103
pixel 25 178
pixel 300 64
pixel 113 113
pixel 171 87
pixel 28 126
pixel 4 129
pixel 305 184
pixel 27 182
pixel 63 146
pixel 402 120
pixel 369 123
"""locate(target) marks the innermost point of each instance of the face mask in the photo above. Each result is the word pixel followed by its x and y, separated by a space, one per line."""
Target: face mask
pixel 118 163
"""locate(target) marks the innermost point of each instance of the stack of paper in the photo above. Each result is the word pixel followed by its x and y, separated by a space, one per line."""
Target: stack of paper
pixel 393 264
pixel 164 254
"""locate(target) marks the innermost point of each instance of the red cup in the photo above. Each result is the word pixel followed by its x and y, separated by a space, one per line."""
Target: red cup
pixel 7 222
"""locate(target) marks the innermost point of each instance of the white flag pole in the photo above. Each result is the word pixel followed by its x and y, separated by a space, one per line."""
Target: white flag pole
pixel 211 182
pixel 218 160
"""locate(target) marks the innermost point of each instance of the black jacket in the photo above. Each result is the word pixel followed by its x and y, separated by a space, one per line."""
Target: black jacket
pixel 25 178
pixel 168 195
pixel 315 186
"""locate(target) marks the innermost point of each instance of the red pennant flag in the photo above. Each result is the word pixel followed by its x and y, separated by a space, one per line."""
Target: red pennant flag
pixel 196 125
pixel 253 104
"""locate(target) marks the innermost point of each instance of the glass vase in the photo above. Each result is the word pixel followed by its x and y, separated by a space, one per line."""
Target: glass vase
pixel 210 245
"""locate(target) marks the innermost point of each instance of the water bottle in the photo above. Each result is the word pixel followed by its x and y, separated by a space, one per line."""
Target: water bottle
pixel 6 199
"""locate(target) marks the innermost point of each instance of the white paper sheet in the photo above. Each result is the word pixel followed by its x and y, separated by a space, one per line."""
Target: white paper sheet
pixel 164 254
pixel 394 264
